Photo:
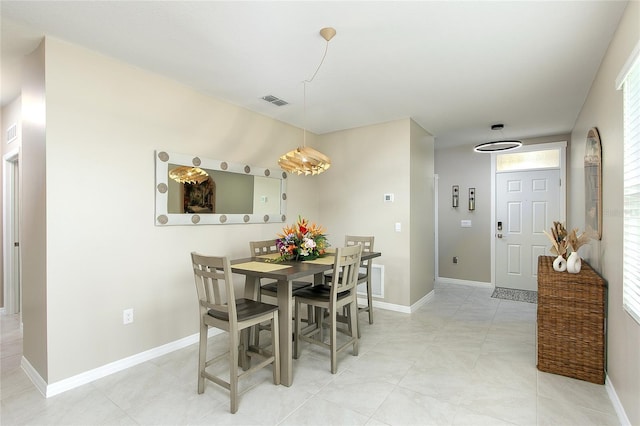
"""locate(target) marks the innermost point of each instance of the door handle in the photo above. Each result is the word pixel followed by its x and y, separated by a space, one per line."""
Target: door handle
pixel 499 235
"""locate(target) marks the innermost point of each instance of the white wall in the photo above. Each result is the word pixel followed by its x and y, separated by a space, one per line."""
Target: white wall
pixel 603 109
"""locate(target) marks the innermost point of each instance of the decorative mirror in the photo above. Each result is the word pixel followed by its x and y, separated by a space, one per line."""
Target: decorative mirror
pixel 593 183
pixel 199 191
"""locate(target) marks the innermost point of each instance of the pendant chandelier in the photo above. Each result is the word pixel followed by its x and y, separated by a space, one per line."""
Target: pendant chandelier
pixel 187 174
pixel 305 160
pixel 498 145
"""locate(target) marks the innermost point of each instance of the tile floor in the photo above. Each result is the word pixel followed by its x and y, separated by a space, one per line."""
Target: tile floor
pixel 462 359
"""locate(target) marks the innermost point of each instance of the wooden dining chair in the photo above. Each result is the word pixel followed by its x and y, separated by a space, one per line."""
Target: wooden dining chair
pixel 339 295
pixel 220 309
pixel 364 274
pixel 270 288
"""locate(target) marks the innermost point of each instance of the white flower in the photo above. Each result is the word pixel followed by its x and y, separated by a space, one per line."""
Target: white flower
pixel 308 243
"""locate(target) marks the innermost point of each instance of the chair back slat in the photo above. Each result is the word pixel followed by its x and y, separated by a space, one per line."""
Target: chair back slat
pixel 213 282
pixel 365 242
pixel 263 247
pixel 346 267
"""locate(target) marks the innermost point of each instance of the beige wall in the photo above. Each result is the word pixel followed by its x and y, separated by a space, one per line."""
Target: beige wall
pixel 10 115
pixel 461 166
pixel 422 210
pixel 104 254
pixel 33 220
pixel 603 109
pixel 367 163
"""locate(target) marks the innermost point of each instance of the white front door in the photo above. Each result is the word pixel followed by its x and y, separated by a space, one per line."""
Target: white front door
pixel 527 203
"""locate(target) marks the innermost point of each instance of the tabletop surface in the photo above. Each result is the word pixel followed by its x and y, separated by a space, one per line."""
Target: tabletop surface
pixel 294 271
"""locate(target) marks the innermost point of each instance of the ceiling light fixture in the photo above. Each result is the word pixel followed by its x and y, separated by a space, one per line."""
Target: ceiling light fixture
pixel 304 160
pixel 187 174
pixel 498 145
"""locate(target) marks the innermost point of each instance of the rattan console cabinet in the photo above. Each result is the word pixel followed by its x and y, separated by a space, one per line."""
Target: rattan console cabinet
pixel 571 322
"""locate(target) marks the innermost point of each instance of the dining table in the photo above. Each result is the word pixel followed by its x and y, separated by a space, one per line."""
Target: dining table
pixel 263 266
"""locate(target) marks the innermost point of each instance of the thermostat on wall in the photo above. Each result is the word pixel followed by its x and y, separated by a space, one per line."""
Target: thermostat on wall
pixel 388 198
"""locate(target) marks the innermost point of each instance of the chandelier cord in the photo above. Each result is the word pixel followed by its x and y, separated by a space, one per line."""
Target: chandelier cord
pixel 303 159
pixel 304 91
pixel 326 49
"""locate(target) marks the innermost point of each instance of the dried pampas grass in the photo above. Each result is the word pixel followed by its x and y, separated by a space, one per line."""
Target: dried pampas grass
pixel 558 238
pixel 576 241
pixel 561 240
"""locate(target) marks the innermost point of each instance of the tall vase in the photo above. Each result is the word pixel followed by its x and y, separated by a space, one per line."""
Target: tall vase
pixel 574 263
pixel 559 264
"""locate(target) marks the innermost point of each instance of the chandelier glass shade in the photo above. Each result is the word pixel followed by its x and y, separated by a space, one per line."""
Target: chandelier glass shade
pixel 304 161
pixel 187 174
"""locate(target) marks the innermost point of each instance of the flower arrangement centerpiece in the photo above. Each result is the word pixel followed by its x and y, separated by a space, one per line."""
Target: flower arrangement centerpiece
pixel 302 241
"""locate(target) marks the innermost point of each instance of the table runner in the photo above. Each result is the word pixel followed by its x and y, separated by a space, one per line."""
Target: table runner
pixel 326 260
pixel 260 266
pixel 269 256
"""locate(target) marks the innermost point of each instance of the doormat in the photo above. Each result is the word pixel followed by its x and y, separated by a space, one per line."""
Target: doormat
pixel 515 294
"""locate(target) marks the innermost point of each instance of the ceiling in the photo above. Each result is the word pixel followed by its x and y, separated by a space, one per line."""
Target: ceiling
pixel 454 67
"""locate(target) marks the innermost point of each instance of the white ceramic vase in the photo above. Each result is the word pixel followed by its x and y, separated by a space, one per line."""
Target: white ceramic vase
pixel 574 263
pixel 560 264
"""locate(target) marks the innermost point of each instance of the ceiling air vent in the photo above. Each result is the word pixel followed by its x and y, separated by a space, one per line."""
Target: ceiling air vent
pixel 276 101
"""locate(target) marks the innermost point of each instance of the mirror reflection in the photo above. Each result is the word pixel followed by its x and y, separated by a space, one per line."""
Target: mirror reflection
pixel 194 190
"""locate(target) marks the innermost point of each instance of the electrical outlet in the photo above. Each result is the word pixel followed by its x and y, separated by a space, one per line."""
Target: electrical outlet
pixel 127 316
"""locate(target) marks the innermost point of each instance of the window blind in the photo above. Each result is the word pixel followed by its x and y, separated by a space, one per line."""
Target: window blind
pixel 631 240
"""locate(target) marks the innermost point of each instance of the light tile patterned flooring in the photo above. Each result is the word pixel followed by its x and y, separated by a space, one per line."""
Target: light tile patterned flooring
pixel 462 359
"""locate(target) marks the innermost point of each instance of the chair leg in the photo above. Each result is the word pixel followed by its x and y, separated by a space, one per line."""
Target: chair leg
pixel 320 323
pixel 355 324
pixel 233 370
pixel 202 356
pixel 369 301
pixel 275 338
pixel 333 341
pixel 296 330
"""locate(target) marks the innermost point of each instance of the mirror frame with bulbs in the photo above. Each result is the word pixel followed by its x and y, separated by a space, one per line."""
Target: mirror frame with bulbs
pixel 164 218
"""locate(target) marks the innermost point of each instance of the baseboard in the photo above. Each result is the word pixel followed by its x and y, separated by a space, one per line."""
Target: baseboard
pixel 422 301
pixel 49 390
pixel 445 280
pixel 617 405
pixel 34 376
pixel 398 308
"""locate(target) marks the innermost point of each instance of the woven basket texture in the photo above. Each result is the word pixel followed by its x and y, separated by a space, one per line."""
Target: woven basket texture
pixel 571 322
